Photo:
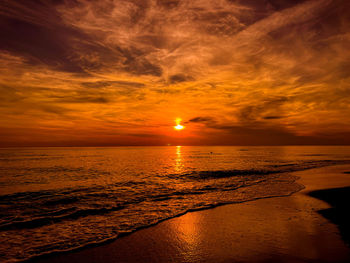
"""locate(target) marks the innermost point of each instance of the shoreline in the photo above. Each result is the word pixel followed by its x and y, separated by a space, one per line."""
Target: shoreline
pixel 162 243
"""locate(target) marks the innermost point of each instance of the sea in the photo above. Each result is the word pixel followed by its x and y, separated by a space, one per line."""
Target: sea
pixel 60 199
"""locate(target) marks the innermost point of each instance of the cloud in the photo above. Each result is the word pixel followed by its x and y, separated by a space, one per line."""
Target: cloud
pixel 243 69
pixel 273 117
pixel 44 39
pixel 253 113
pixel 180 78
pixel 81 99
pixel 122 84
pixel 201 120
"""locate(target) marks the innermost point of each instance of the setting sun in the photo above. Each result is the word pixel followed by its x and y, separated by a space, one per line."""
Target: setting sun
pixel 178 125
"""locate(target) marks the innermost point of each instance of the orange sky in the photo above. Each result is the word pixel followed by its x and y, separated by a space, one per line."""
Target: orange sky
pixel 253 72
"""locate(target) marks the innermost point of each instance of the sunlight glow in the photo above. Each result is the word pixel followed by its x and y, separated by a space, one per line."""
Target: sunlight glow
pixel 178 125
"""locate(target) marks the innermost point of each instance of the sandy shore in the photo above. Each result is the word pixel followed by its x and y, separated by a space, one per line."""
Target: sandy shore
pixel 283 229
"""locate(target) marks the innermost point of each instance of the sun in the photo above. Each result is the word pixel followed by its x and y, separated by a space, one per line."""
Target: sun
pixel 178 126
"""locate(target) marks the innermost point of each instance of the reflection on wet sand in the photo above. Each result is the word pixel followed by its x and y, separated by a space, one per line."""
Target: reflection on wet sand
pixel 188 234
pixel 280 229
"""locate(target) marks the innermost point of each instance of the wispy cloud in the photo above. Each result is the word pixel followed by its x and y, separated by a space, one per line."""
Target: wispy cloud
pixel 230 69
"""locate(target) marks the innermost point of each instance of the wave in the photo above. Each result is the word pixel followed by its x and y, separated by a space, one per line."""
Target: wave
pixel 126 206
pixel 37 222
pixel 35 209
pixel 269 169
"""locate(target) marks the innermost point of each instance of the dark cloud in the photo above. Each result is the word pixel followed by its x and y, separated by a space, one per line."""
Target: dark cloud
pixel 38 44
pixel 168 3
pixel 118 84
pixel 202 120
pixel 141 66
pixel 168 90
pixel 49 108
pixel 82 99
pixel 253 113
pixel 42 37
pixel 273 117
pixel 180 78
pixel 282 4
pixel 267 5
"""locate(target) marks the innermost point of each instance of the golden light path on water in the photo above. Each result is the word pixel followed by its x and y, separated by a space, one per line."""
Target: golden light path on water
pixel 179 166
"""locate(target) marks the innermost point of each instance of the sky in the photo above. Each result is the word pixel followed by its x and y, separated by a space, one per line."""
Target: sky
pixel 121 72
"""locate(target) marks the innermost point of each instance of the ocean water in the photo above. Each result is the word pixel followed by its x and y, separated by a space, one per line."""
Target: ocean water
pixel 59 199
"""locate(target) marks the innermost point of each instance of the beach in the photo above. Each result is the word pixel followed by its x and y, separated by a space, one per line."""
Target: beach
pixel 277 229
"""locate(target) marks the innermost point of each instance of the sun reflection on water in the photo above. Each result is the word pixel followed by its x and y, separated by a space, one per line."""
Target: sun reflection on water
pixel 179 166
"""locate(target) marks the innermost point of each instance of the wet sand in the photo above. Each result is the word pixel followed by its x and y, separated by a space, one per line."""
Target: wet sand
pixel 281 229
